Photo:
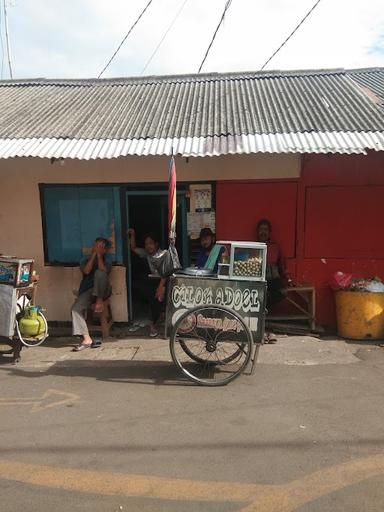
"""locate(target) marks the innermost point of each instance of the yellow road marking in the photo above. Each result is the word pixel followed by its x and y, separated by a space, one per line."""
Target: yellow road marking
pixel 50 398
pixel 260 498
pixel 288 497
pixel 99 482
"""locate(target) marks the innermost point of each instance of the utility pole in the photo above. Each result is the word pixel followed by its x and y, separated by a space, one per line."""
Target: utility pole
pixel 7 39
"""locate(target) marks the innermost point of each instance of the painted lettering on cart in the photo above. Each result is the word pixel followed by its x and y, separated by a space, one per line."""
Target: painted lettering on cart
pixel 245 300
pixel 219 324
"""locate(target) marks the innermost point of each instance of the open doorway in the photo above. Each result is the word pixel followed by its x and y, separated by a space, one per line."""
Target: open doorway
pixel 147 212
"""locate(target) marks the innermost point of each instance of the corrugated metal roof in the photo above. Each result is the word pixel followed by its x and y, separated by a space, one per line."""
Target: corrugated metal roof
pixel 372 79
pixel 88 149
pixel 194 115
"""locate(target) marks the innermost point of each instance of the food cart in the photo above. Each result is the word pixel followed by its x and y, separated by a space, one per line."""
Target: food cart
pixel 21 322
pixel 215 320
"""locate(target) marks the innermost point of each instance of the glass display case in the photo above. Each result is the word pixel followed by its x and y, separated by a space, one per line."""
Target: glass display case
pixel 243 260
pixel 15 271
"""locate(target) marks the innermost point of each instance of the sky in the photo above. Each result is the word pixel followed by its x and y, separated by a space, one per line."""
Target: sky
pixel 76 38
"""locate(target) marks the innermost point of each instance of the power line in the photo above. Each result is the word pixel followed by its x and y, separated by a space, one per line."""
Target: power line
pixel 2 45
pixel 291 34
pixel 8 46
pixel 164 36
pixel 227 5
pixel 125 37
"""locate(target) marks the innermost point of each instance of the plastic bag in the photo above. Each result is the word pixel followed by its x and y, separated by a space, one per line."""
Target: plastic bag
pixel 169 263
pixel 359 284
pixel 375 287
pixel 340 281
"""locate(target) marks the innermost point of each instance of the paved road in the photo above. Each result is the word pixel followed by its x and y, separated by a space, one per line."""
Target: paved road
pixel 116 429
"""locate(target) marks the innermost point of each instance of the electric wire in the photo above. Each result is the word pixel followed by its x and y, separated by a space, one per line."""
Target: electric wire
pixel 290 35
pixel 164 36
pixel 125 38
pixel 7 39
pixel 227 5
pixel 2 46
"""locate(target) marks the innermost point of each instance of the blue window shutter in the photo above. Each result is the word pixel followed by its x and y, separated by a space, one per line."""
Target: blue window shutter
pixel 100 216
pixel 62 224
pixel 75 216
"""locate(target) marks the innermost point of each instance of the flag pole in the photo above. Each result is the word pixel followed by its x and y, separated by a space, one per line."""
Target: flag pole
pixel 172 193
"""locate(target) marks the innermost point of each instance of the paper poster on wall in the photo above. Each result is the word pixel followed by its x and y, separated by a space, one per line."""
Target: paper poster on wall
pixel 199 220
pixel 200 197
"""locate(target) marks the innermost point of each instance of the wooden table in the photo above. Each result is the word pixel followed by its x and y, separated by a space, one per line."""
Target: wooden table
pixel 307 294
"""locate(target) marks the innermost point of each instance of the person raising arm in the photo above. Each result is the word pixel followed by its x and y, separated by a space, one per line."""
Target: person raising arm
pixel 153 289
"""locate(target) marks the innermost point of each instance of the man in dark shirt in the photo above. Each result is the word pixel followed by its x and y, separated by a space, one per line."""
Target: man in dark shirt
pixel 207 241
pixel 276 272
pixel 94 287
pixel 151 289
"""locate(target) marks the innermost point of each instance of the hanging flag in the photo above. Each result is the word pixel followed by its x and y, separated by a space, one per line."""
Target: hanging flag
pixel 172 201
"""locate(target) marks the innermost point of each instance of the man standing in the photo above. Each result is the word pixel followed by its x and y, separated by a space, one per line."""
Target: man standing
pixel 94 287
pixel 276 272
pixel 207 243
pixel 153 288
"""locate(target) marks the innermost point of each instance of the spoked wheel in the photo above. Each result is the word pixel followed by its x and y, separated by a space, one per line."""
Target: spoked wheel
pixel 211 345
pixel 231 356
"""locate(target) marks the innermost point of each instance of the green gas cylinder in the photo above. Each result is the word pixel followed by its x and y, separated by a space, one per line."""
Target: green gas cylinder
pixel 31 324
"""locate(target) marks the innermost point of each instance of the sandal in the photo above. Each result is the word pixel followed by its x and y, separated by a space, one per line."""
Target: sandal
pixel 270 339
pixel 81 347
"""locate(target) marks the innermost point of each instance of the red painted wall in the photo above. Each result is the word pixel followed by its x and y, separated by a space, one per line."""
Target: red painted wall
pixel 240 205
pixel 330 219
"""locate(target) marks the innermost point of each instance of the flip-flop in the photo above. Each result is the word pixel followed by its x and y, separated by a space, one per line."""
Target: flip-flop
pixel 96 343
pixel 81 347
pixel 270 339
pixel 154 334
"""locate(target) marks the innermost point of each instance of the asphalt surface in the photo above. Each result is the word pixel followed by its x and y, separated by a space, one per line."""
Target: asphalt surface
pixel 117 428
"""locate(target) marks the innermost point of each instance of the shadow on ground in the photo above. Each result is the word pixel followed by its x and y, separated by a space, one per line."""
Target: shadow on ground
pixel 140 372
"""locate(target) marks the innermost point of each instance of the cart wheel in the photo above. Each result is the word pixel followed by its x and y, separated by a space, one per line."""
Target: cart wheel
pixel 211 345
pixel 198 359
